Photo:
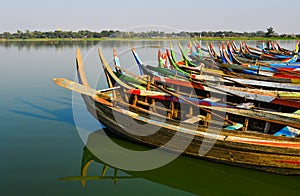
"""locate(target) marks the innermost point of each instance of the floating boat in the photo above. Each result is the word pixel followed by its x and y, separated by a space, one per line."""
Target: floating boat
pixel 280 98
pixel 261 55
pixel 238 58
pixel 177 131
pixel 232 66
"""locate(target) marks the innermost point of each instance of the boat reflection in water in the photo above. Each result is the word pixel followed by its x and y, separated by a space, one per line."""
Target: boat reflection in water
pixel 186 174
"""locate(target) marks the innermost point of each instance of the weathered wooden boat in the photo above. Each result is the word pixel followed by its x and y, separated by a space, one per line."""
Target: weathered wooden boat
pixel 185 62
pixel 275 84
pixel 228 55
pixel 270 70
pixel 250 149
pixel 260 55
pixel 109 72
pixel 275 49
pixel 181 85
pixel 285 73
pixel 207 72
pixel 286 51
pixel 231 65
pixel 203 89
pixel 198 54
pixel 282 98
pixel 162 59
pixel 238 55
pixel 203 86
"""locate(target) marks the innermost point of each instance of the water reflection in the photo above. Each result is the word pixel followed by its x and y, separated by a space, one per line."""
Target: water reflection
pixel 187 174
pixel 47 44
pixel 80 43
pixel 39 111
pixel 290 44
pixel 39 142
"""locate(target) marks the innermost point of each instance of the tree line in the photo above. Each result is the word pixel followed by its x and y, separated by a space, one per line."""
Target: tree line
pixel 56 34
pixel 149 34
pixel 269 33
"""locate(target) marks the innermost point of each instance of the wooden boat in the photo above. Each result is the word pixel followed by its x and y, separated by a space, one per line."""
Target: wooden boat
pixel 231 64
pixel 229 55
pixel 289 73
pixel 260 55
pixel 239 59
pixel 271 70
pixel 250 149
pixel 282 98
pixel 220 77
pixel 162 59
pixel 286 51
pixel 275 49
pixel 187 73
pixel 106 68
pixel 198 54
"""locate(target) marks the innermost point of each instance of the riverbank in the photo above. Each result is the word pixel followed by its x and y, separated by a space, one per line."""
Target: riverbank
pixel 146 39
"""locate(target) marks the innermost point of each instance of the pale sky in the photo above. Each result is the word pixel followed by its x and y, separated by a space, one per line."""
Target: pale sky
pixel 184 15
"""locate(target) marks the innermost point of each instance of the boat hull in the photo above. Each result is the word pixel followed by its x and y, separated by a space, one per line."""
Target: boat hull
pixel 249 150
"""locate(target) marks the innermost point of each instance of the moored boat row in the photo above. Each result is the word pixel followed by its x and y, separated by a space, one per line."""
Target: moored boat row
pixel 253 128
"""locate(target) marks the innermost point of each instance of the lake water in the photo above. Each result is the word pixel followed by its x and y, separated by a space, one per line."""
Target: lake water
pixel 44 129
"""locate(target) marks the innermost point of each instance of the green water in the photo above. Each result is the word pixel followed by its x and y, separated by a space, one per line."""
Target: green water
pixel 40 142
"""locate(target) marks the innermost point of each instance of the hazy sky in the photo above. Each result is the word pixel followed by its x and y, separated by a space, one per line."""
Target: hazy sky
pixel 187 15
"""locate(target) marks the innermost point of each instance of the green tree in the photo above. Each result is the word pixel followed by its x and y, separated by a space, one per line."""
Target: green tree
pixel 6 35
pixel 260 33
pixel 270 32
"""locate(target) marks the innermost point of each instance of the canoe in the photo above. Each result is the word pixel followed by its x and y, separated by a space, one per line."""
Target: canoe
pixel 277 117
pixel 272 97
pixel 263 56
pixel 277 97
pixel 232 58
pixel 287 73
pixel 269 96
pixel 249 149
pixel 286 51
pixel 275 72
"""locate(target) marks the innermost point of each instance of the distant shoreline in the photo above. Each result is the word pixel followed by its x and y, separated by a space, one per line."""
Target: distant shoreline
pixel 146 39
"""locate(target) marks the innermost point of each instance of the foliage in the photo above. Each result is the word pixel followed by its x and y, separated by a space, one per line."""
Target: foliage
pixel 85 34
pixel 56 34
pixel 271 32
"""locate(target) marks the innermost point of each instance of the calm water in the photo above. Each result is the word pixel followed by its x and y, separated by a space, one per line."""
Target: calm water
pixel 40 144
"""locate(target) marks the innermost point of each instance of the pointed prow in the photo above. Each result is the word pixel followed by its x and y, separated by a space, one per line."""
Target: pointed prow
pixel 80 69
